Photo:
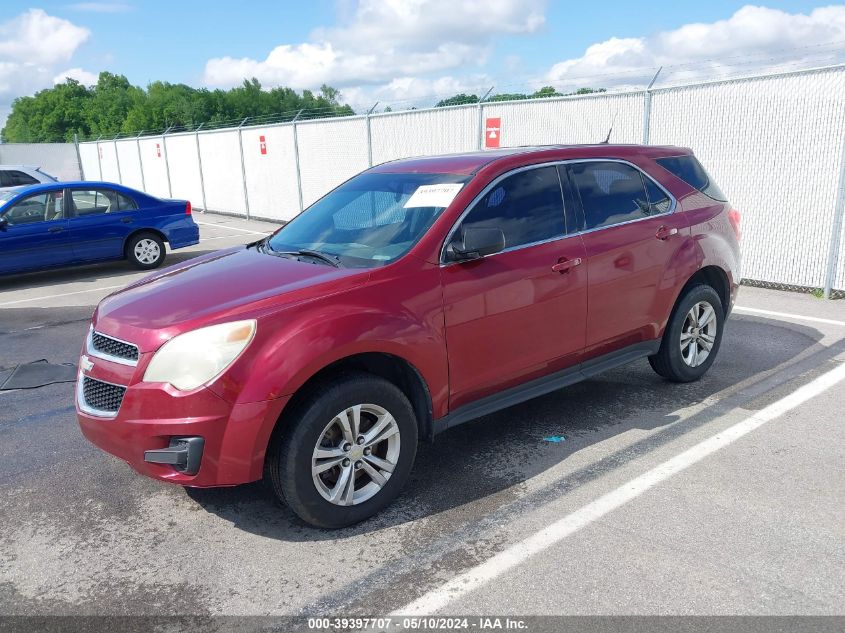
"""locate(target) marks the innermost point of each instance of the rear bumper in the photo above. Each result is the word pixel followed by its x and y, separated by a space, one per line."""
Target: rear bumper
pixel 234 436
pixel 186 234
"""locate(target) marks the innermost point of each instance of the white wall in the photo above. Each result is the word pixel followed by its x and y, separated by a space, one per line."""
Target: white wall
pixel 330 152
pixel 184 168
pixel 774 144
pixel 585 119
pixel 130 163
pixel 57 159
pixel 221 168
pixel 108 161
pixel 89 163
pixel 424 133
pixel 155 168
pixel 271 177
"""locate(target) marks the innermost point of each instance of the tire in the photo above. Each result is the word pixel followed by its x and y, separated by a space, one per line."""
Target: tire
pixel 145 251
pixel 316 422
pixel 690 363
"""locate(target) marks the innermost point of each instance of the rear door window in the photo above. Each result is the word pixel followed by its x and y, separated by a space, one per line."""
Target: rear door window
pixel 100 201
pixel 612 193
pixel 658 200
pixel 688 169
pixel 527 206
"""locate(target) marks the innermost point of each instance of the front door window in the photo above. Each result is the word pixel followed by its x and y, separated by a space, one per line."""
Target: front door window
pixel 40 207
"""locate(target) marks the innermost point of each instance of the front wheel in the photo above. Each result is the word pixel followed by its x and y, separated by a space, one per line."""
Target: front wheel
pixel 692 337
pixel 145 251
pixel 347 453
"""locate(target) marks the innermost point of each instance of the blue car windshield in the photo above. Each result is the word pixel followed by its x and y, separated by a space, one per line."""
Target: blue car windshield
pixel 371 220
pixel 7 195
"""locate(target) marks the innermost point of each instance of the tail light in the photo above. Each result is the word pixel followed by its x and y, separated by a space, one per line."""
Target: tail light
pixel 735 219
pixel 188 208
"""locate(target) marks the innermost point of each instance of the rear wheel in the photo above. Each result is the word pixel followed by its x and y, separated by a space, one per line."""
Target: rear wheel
pixel 145 251
pixel 692 337
pixel 347 453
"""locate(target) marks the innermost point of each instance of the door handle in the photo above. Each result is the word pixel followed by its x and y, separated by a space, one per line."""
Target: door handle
pixel 55 229
pixel 126 220
pixel 565 265
pixel 664 232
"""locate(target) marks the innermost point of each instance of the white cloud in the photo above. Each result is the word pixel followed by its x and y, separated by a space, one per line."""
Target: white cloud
pixel 32 46
pixel 403 92
pixel 102 7
pixel 81 75
pixel 385 40
pixel 754 39
pixel 37 38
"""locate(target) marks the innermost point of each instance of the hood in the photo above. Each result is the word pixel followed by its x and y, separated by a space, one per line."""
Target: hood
pixel 226 285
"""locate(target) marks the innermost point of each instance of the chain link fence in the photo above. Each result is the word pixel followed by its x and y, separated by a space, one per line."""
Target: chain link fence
pixel 775 144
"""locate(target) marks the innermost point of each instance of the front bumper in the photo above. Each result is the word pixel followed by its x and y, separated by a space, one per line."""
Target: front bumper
pixel 152 415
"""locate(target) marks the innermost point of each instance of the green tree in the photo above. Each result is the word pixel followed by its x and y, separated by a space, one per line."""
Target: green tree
pixel 459 99
pixel 50 115
pixel 113 106
pixel 542 93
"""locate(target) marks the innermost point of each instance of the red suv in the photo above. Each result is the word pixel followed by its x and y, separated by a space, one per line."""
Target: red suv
pixel 418 295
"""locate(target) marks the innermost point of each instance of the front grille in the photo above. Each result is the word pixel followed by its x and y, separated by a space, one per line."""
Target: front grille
pixel 108 345
pixel 102 396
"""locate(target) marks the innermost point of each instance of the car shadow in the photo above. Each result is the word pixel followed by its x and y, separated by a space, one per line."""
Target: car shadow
pixel 89 273
pixel 487 461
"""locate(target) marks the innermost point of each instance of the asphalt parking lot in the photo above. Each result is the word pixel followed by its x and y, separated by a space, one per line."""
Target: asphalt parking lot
pixel 754 526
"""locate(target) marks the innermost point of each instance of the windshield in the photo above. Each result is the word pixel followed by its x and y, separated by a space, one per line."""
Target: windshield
pixel 8 194
pixel 372 219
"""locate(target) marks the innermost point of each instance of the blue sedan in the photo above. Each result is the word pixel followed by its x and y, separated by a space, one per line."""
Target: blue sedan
pixel 61 224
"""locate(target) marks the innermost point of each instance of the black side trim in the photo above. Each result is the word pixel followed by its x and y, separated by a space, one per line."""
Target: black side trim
pixel 546 384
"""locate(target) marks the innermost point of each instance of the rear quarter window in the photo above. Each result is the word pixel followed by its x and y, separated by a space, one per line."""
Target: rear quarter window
pixel 15 178
pixel 125 203
pixel 688 169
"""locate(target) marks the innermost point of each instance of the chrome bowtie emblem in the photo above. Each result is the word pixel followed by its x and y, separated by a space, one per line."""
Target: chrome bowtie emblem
pixel 86 363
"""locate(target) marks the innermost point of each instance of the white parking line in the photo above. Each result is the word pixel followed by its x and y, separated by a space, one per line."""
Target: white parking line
pixel 518 553
pixel 219 237
pixel 787 315
pixel 232 228
pixel 64 294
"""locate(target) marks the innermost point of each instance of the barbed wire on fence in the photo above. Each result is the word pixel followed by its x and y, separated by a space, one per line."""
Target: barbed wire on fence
pixel 609 82
pixel 686 117
pixel 396 106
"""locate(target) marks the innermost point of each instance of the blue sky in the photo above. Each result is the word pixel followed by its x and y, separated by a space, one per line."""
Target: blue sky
pixel 408 51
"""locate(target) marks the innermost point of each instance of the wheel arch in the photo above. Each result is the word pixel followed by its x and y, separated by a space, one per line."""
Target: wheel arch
pixel 712 276
pixel 155 232
pixel 390 367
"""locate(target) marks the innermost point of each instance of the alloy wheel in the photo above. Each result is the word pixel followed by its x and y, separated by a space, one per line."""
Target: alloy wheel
pixel 698 333
pixel 356 454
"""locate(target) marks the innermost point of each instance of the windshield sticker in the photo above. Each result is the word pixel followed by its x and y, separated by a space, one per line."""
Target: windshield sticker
pixel 433 195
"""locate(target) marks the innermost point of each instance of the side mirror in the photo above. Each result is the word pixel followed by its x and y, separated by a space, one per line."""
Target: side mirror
pixel 4 223
pixel 478 242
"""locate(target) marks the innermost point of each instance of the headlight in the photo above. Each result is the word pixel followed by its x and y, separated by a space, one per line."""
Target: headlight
pixel 195 358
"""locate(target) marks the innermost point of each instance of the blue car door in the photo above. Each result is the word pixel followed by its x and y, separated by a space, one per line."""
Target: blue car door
pixel 101 220
pixel 34 232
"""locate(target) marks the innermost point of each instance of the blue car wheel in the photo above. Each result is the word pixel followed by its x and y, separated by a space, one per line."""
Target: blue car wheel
pixel 145 251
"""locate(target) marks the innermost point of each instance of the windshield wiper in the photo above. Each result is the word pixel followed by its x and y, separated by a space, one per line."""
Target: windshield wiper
pixel 332 260
pixel 263 246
